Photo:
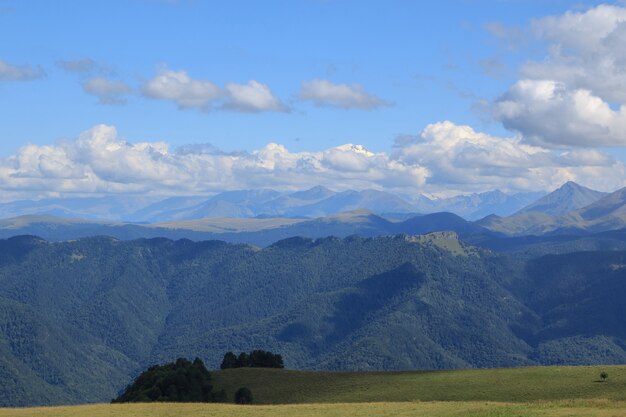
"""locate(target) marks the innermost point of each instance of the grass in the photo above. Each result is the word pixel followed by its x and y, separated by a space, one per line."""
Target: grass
pixel 520 392
pixel 399 409
pixel 529 384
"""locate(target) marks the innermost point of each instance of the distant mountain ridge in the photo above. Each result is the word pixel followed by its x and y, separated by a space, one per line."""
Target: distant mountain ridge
pixel 312 203
pixel 569 197
pixel 478 205
pixel 112 208
pixel 607 212
pixel 256 231
pixel 571 209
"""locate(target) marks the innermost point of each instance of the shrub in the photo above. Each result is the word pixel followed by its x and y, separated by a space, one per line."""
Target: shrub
pixel 243 396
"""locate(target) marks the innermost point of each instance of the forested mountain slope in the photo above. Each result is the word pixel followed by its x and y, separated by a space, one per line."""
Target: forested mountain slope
pixel 79 319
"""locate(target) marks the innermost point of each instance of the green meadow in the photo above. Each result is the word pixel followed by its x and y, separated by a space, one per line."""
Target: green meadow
pixel 531 391
pixel 275 386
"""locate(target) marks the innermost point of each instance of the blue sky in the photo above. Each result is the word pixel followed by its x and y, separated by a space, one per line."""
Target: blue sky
pixel 309 77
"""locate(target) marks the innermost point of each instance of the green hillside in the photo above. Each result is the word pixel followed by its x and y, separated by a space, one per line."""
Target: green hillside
pixel 527 384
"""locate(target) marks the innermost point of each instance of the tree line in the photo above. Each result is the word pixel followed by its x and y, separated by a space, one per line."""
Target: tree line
pixel 255 359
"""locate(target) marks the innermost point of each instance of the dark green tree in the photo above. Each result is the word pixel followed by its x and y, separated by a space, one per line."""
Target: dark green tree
pixel 230 361
pixel 264 359
pixel 256 359
pixel 243 360
pixel 243 396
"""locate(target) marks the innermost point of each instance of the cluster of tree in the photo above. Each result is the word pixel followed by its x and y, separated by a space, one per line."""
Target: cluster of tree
pixel 180 381
pixel 256 359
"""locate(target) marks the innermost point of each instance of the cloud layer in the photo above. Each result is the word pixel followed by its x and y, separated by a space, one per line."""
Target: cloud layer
pixel 443 157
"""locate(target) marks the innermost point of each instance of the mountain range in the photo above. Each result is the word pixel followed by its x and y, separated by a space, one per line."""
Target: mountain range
pixel 478 205
pixel 80 315
pixel 256 231
pixel 312 203
pixel 571 209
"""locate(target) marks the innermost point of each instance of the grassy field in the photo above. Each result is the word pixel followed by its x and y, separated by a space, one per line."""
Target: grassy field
pixel 590 408
pixel 274 386
pixel 522 392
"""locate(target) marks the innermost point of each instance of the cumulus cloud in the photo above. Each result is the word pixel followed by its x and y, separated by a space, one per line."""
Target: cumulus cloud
pixel 108 91
pixel 546 112
pixel 179 87
pixel 10 72
pixel 587 51
pixel 443 157
pixel 204 95
pixel 576 95
pixel 324 93
pixel 252 97
pixel 462 160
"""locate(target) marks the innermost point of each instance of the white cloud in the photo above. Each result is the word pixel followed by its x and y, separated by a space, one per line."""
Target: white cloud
pixel 107 91
pixel 444 157
pixel 546 112
pixel 10 72
pixel 252 97
pixel 462 160
pixel 325 93
pixel 186 92
pixel 576 96
pixel 179 87
pixel 587 51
